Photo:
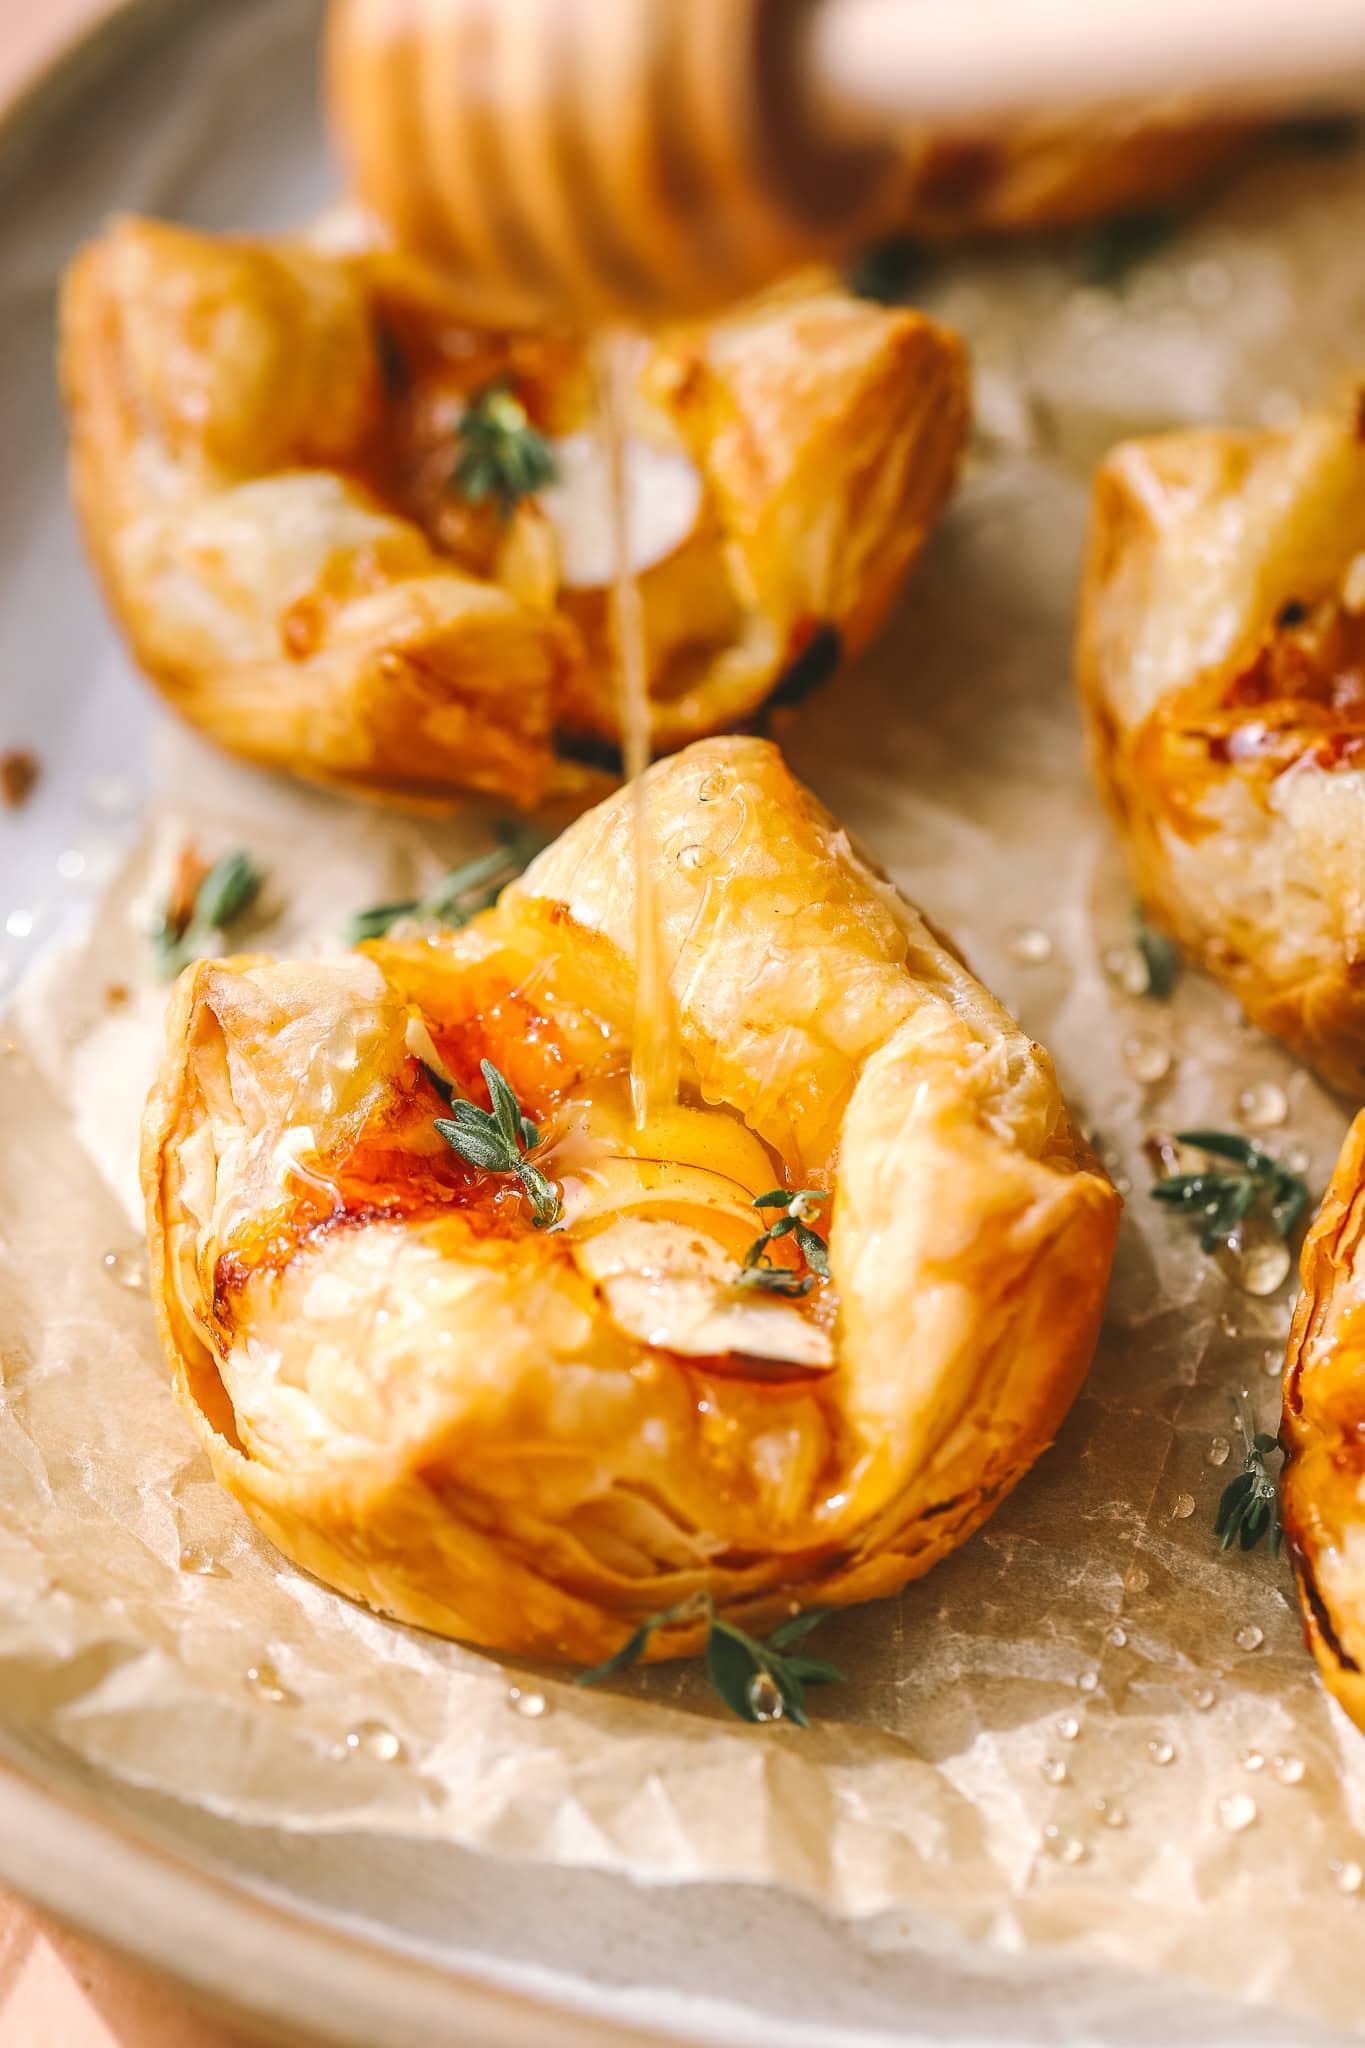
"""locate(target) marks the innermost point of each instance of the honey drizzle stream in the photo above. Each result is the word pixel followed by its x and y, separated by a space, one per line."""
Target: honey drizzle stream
pixel 654 1041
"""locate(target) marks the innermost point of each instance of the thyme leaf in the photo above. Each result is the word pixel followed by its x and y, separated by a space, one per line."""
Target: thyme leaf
pixel 770 1279
pixel 461 893
pixel 889 271
pixel 1117 246
pixel 224 892
pixel 497 1140
pixel 796 1213
pixel 1249 1506
pixel 757 1680
pixel 1160 955
pixel 501 455
pixel 1220 1199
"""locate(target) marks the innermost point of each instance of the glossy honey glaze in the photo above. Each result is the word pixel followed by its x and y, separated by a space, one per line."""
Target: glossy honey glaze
pixel 655 1215
pixel 1297 701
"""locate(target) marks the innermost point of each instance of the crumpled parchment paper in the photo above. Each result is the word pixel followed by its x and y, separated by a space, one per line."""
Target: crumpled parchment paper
pixel 1089 1729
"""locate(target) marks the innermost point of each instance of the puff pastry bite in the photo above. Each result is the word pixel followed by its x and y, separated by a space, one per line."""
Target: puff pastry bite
pixel 533 1438
pixel 1064 173
pixel 1222 667
pixel 266 444
pixel 1322 1490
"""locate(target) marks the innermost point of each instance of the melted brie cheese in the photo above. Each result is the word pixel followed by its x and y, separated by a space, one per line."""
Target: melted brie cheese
pixel 663 504
pixel 661 1218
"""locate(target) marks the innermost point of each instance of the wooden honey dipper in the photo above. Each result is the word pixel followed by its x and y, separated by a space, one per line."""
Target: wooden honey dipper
pixel 602 159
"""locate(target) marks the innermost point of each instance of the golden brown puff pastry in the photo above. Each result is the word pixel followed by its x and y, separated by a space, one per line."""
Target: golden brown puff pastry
pixel 1322 1491
pixel 534 1438
pixel 263 440
pixel 1066 173
pixel 1222 666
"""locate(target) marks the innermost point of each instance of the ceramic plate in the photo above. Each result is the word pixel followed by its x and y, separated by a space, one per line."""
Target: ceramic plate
pixel 206 111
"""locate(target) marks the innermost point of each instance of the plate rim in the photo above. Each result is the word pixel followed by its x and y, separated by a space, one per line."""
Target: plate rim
pixel 114 1879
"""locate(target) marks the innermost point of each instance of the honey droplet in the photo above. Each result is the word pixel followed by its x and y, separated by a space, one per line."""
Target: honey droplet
pixel 1252 1760
pixel 530 1705
pixel 1263 1105
pixel 1255 1259
pixel 1029 946
pixel 265 1682
pixel 1088 1681
pixel 1146 1058
pixel 1182 1507
pixel 200 1563
pixel 691 856
pixel 1137 1578
pixel 1052 1770
pixel 713 786
pixel 1116 1635
pixel 1127 969
pixel 1236 1812
pixel 1348 1878
pixel 1289 1769
pixel 1203 1698
pixel 126 1269
pixel 765 1697
pixel 1068 1727
pixel 1227 1325
pixel 374 1739
pixel 1111 1813
pixel 1218 1452
pixel 1272 1362
pixel 1160 1751
pixel 1066 1848
pixel 1250 1637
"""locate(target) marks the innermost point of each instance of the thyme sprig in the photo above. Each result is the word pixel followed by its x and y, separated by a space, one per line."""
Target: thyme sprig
pixel 1221 1199
pixel 501 455
pixel 797 1212
pixel 220 897
pixel 1111 251
pixel 889 271
pixel 497 1140
pixel 461 893
pixel 1160 956
pixel 1250 1504
pixel 759 1681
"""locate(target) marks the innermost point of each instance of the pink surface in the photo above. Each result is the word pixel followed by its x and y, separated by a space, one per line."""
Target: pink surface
pixel 58 1990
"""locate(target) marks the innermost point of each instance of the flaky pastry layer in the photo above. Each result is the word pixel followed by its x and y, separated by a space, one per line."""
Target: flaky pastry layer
pixel 448 1413
pixel 1221 659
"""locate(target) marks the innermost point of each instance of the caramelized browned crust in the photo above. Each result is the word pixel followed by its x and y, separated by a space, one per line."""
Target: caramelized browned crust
pixel 263 437
pixel 1221 662
pixel 1323 1432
